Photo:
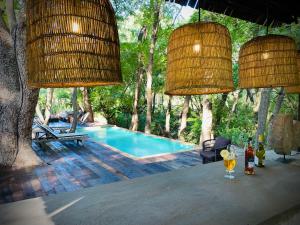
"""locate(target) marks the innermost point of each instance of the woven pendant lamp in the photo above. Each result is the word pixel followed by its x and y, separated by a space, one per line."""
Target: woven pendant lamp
pixel 295 89
pixel 72 43
pixel 199 60
pixel 268 61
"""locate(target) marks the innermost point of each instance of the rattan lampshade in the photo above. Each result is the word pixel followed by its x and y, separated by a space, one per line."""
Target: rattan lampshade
pixel 72 43
pixel 295 89
pixel 268 61
pixel 199 60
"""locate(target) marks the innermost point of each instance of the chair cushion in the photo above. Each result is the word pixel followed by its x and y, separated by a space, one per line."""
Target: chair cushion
pixel 221 142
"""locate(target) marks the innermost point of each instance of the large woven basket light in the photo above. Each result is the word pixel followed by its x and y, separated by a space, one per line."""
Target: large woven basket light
pixel 268 61
pixel 295 89
pixel 72 43
pixel 199 60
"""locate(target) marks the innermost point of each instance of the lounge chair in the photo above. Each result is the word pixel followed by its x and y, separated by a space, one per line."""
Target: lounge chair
pixel 49 135
pixel 37 122
pixel 211 149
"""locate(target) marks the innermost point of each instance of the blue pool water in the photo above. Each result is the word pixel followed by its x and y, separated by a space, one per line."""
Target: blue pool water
pixel 134 143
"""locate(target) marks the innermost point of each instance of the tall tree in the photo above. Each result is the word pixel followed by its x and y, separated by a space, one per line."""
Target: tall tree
pixel 220 108
pixel 149 70
pixel 168 117
pixel 257 99
pixel 263 112
pixel 17 100
pixel 135 114
pixel 39 113
pixel 138 78
pixel 75 111
pixel 207 117
pixel 235 100
pixel 183 118
pixel 87 104
pixel 276 110
pixel 48 105
pixel 44 117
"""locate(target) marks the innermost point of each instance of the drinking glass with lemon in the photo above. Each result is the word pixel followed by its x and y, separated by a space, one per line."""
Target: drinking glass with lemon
pixel 229 158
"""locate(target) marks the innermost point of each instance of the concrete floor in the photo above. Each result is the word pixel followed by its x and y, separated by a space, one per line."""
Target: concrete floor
pixel 196 195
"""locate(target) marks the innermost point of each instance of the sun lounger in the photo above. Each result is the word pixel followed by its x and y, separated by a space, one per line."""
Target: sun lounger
pixel 50 135
pixel 37 122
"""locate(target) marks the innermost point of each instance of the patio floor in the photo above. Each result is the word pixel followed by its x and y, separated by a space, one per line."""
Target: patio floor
pixel 72 167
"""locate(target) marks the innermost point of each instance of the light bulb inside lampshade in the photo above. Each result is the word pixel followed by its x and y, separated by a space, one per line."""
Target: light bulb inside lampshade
pixel 265 55
pixel 75 27
pixel 197 47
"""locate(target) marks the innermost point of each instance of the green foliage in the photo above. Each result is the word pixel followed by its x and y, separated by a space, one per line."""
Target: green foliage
pixel 42 97
pixel 237 126
pixel 193 131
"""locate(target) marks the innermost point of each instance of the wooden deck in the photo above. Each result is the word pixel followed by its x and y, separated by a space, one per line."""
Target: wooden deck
pixel 70 167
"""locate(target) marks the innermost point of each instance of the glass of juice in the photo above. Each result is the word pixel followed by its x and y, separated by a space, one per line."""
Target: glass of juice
pixel 229 163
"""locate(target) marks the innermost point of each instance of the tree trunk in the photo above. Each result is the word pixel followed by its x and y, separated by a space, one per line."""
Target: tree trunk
pixel 9 98
pixel 17 110
pixel 257 104
pixel 220 109
pixel 235 100
pixel 250 95
pixel 139 77
pixel 39 113
pixel 75 111
pixel 263 112
pixel 48 105
pixel 149 70
pixel 276 110
pixel 153 102
pixel 183 119
pixel 168 117
pixel 26 156
pixel 87 104
pixel 207 117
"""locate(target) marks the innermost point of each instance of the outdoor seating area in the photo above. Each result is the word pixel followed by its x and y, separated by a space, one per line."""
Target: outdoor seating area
pixel 149 112
pixel 211 149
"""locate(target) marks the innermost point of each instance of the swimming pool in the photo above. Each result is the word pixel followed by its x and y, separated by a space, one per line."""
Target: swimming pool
pixel 134 143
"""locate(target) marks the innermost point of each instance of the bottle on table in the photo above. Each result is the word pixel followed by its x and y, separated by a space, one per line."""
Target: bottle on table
pixel 260 152
pixel 249 158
